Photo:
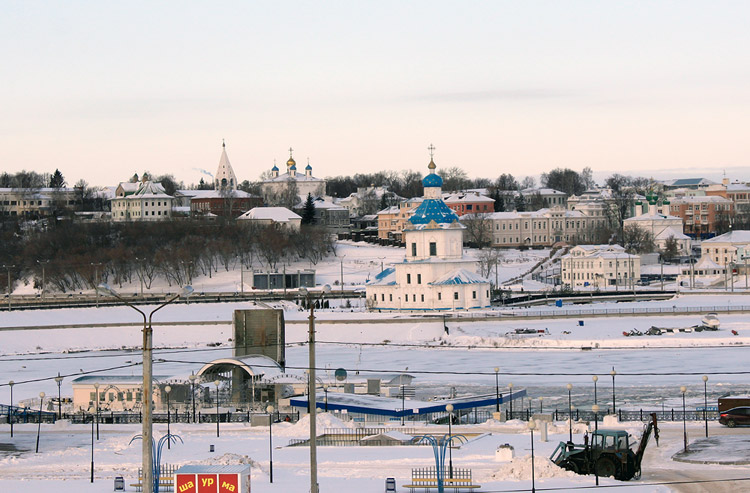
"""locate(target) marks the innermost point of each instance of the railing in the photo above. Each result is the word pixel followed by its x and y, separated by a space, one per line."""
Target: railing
pixel 22 415
pixel 622 415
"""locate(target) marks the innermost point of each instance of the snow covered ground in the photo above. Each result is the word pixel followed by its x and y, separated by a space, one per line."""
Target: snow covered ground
pixel 650 371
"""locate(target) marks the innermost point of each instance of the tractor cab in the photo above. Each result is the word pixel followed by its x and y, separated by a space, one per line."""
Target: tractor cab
pixel 610 440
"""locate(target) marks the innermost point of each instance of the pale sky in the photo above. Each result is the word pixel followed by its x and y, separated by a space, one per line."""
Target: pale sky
pixel 102 90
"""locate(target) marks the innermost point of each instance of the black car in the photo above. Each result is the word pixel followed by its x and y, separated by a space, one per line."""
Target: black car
pixel 735 416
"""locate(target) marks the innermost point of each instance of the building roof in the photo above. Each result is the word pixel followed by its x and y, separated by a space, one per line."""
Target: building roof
pixel 653 217
pixel 460 276
pixel 741 236
pixel 688 182
pixel 671 232
pixel 433 210
pixel 450 198
pixel 213 194
pixel 276 214
pixel 385 278
pixel 700 199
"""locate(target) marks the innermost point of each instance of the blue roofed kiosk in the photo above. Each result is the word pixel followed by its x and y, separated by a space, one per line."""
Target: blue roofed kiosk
pixel 434 275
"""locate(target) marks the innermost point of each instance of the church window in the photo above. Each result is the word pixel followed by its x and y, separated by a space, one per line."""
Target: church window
pixel 406 298
pixel 455 295
pixel 440 296
pixel 382 297
pixel 375 297
pixel 390 297
pixel 422 298
pixel 408 278
pixel 433 249
pixel 413 249
pixel 419 278
pixel 414 298
pixel 474 294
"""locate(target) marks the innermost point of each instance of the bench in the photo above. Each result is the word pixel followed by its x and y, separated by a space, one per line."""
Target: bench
pixel 426 479
pixel 166 483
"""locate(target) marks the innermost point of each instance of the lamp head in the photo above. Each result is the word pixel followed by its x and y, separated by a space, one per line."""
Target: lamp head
pixel 186 291
pixel 541 398
pixel 510 385
pixel 269 409
pixel 613 372
pixel 58 379
pixel 595 408
pixel 216 382
pixel 192 377
pixel 595 378
pixel 705 378
pixel 167 389
pixel 683 389
pixel 104 288
pixel 532 424
pixel 303 291
pixel 496 369
pixel 326 288
pixel 96 385
pixel 569 386
pixel 11 383
pixel 41 395
pixel 449 408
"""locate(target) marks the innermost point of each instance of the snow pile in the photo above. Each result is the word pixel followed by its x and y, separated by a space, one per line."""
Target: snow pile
pixel 302 427
pixel 227 459
pixel 520 469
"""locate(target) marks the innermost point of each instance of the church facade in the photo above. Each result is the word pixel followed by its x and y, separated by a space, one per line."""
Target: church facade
pixel 276 188
pixel 434 275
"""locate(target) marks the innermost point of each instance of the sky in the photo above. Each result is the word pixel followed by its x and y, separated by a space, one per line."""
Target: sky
pixel 102 90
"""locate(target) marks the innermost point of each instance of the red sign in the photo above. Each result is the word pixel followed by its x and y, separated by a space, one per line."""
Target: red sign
pixel 229 483
pixel 207 483
pixel 186 483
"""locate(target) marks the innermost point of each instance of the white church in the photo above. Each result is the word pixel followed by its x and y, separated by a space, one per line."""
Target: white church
pixel 433 276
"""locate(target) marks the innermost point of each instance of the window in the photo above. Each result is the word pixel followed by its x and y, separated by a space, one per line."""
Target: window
pixel 413 249
pixel 408 278
pixel 455 295
pixel 129 396
pixel 440 296
pixel 474 294
pixel 382 297
pixel 390 297
pixel 414 298
pixel 419 278
pixel 422 298
pixel 92 396
pixel 433 249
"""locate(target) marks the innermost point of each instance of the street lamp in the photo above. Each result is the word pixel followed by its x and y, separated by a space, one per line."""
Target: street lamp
pixel 683 389
pixel 147 424
pixel 570 411
pixel 532 425
pixel 167 390
pixel 96 403
pixel 311 385
pixel 613 373
pixel 705 402
pixel 595 408
pixel 595 379
pixel 39 423
pixel 10 410
pixel 510 399
pixel 216 382
pixel 497 391
pixel 59 380
pixel 541 409
pixel 8 268
pixel 325 389
pixel 192 378
pixel 449 408
pixel 92 449
pixel 270 441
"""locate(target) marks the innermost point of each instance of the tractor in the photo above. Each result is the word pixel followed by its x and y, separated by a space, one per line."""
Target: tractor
pixel 608 455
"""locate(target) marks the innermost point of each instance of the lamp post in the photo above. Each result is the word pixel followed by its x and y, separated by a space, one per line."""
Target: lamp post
pixel 449 408
pixel 510 399
pixel 269 409
pixel 570 411
pixel 532 425
pixel 595 379
pixel 595 408
pixel 325 389
pixel 216 382
pixel 613 373
pixel 39 423
pixel 311 386
pixel 147 423
pixel 683 389
pixel 92 449
pixel 705 402
pixel 8 268
pixel 96 403
pixel 59 380
pixel 43 263
pixel 167 390
pixel 10 409
pixel 541 409
pixel 497 390
pixel 192 378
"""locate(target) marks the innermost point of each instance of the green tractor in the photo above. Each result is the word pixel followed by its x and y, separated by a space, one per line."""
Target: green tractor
pixel 608 455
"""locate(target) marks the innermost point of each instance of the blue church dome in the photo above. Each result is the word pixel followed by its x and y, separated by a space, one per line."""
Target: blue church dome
pixel 433 210
pixel 432 180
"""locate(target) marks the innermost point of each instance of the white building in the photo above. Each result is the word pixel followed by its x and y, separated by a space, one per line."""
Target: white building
pixel 542 228
pixel 724 249
pixel 225 178
pixel 600 266
pixel 149 202
pixel 266 216
pixel 433 275
pixel 35 202
pixel 662 227
pixel 275 187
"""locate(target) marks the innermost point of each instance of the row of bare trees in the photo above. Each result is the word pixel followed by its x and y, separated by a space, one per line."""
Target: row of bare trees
pixel 75 256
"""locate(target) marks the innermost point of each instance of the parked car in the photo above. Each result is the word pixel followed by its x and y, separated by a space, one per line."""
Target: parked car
pixel 390 485
pixel 735 416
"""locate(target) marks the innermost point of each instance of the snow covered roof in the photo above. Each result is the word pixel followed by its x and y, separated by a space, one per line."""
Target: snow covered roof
pixel 276 214
pixel 460 276
pixel 740 236
pixel 653 217
pixel 451 198
pixel 542 191
pixel 212 194
pixel 324 203
pixel 705 262
pixel 738 187
pixel 700 199
pixel 385 278
pixel 671 232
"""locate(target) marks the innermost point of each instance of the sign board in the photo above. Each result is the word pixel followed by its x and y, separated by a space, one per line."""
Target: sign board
pixel 212 479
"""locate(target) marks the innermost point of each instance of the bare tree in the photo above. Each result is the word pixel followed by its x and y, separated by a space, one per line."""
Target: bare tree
pixel 637 240
pixel 478 229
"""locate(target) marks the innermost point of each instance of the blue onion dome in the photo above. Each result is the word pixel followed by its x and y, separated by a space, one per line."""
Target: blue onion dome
pixel 433 210
pixel 432 179
pixel 308 166
pixel 275 168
